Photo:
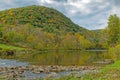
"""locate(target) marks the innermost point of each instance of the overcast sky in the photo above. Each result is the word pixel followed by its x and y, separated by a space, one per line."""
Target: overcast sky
pixel 91 14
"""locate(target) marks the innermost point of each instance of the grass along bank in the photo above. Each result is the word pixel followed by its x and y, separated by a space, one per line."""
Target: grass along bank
pixel 9 47
pixel 109 72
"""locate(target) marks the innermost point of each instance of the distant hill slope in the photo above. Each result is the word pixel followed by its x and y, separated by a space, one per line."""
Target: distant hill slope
pixel 47 19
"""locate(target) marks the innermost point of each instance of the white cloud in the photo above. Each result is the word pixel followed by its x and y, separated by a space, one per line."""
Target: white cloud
pixel 115 10
pixel 92 14
pixel 45 1
pixel 48 2
pixel 76 6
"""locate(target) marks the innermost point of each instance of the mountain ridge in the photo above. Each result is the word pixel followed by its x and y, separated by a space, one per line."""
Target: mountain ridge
pixel 39 21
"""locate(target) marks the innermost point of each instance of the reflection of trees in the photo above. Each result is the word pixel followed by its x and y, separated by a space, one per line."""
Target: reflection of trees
pixel 58 57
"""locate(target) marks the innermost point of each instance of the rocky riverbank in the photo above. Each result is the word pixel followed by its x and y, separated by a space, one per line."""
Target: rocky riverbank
pixel 50 71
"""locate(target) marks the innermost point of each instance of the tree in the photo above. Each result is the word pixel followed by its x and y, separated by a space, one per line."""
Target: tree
pixel 68 42
pixel 113 30
pixel 103 39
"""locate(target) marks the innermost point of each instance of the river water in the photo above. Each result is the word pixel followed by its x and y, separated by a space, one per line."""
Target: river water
pixel 10 63
pixel 55 58
pixel 66 58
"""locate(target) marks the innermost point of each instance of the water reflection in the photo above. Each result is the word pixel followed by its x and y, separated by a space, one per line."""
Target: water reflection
pixel 65 57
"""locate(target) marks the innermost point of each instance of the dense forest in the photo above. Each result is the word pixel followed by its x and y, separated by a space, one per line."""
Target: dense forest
pixel 39 27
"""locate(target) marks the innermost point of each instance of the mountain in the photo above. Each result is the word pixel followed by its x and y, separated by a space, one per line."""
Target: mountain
pixel 48 19
pixel 46 23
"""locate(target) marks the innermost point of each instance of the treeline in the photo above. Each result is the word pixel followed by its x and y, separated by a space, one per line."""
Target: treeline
pixel 32 37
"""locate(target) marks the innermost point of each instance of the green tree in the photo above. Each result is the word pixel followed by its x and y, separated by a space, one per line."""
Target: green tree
pixel 113 30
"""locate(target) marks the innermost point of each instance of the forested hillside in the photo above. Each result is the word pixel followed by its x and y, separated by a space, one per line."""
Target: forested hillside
pixel 43 28
pixel 47 19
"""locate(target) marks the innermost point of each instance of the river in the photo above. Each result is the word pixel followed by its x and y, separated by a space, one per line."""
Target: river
pixel 64 58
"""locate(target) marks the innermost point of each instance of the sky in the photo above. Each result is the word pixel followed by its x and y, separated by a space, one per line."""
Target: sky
pixel 90 14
